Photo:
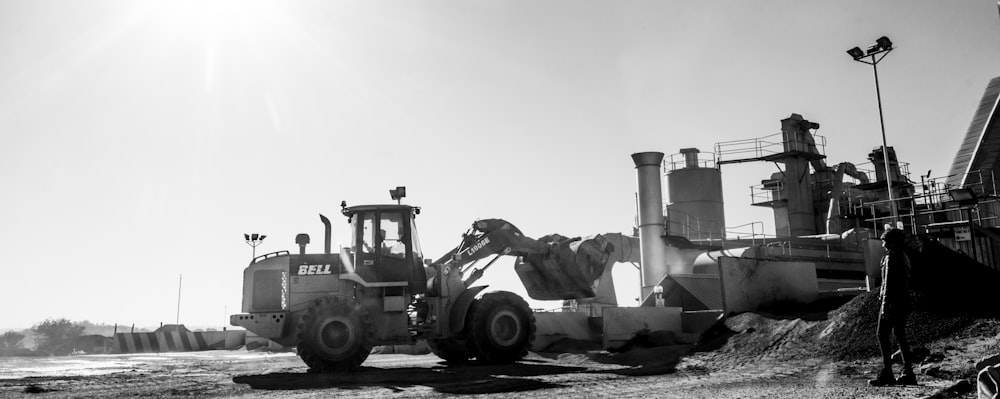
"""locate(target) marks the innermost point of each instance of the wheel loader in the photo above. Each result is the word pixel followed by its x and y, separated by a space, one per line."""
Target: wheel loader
pixel 334 307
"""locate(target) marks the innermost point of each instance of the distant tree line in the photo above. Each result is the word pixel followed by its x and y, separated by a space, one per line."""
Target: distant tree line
pixel 10 341
pixel 48 337
pixel 61 337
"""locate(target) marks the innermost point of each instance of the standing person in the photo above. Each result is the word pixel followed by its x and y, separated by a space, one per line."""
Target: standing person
pixel 895 307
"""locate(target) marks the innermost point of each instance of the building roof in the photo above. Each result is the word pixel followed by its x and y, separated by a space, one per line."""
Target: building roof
pixel 981 147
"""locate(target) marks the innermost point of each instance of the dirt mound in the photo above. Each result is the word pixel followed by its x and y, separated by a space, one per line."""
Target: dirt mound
pixel 749 336
pixel 950 292
pixel 849 334
pixel 952 298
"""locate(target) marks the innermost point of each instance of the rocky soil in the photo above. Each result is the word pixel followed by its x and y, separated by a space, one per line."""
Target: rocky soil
pixel 826 351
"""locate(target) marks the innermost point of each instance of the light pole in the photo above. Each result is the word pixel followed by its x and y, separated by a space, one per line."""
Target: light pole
pixel 253 240
pixel 876 53
pixel 180 279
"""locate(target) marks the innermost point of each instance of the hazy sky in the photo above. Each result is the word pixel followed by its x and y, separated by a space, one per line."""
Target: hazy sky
pixel 141 139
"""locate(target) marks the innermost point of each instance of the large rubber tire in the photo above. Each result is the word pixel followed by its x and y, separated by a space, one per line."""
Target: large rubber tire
pixel 452 350
pixel 501 327
pixel 334 334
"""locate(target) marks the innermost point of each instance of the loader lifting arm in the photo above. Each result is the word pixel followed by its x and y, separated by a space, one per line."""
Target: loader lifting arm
pixel 554 267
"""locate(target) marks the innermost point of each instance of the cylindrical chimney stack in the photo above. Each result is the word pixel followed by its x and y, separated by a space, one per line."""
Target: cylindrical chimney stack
pixel 651 229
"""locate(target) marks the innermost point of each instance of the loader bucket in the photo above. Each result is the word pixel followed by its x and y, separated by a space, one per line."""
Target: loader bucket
pixel 569 269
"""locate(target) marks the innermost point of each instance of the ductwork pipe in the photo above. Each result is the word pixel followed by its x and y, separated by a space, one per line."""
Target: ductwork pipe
pixel 651 228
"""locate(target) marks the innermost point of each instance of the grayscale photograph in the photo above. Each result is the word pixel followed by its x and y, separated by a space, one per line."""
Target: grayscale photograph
pixel 716 199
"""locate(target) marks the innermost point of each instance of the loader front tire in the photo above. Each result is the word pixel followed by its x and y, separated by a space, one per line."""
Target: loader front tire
pixel 334 334
pixel 501 327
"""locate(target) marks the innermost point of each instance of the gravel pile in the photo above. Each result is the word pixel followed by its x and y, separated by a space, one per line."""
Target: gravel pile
pixel 952 298
pixel 850 332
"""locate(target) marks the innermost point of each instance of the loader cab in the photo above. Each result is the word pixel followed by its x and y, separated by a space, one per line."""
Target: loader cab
pixel 385 246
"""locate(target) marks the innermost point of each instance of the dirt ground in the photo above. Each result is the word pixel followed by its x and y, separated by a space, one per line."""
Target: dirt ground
pixel 653 373
pixel 830 354
pixel 826 351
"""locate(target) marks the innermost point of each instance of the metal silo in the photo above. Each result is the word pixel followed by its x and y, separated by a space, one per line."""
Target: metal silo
pixel 694 196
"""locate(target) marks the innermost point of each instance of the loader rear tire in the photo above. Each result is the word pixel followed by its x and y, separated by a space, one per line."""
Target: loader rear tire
pixel 451 350
pixel 334 334
pixel 501 327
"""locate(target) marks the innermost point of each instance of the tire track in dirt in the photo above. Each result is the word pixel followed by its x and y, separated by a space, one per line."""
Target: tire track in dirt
pixel 698 375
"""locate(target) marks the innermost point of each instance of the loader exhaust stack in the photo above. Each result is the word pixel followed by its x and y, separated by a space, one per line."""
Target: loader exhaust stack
pixel 327 235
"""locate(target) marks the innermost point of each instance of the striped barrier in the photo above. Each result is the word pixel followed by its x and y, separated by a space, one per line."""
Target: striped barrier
pixel 177 338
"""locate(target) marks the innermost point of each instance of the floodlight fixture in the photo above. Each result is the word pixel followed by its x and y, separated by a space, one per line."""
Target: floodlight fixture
pixel 963 196
pixel 856 53
pixel 884 43
pixel 882 46
pixel 398 193
pixel 253 240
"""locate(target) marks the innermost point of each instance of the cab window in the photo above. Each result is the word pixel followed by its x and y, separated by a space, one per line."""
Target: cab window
pixel 414 240
pixel 393 233
pixel 368 239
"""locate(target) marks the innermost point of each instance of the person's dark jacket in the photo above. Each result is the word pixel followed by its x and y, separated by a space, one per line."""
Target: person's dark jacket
pixel 895 293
